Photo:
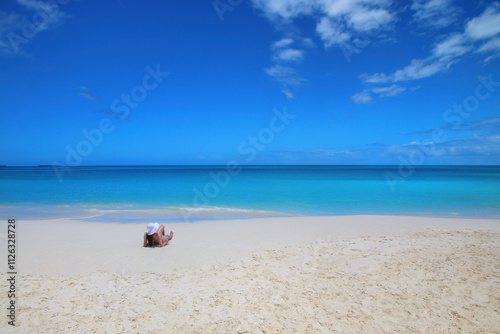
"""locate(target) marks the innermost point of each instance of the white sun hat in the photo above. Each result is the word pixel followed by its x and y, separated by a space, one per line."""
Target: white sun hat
pixel 152 228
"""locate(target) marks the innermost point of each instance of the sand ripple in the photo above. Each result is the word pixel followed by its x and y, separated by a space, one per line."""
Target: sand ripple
pixel 427 282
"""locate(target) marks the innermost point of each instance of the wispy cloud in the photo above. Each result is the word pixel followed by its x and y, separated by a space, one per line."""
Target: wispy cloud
pixel 444 53
pixel 491 46
pixel 365 96
pixel 90 97
pixel 337 22
pixel 341 22
pixel 287 51
pixel 290 55
pixel 51 9
pixel 331 32
pixel 286 76
pixel 484 145
pixel 285 10
pixel 282 43
pixel 316 155
pixel 431 131
pixel 434 13
pixel 33 17
pixel 449 50
pixel 389 91
pixel 486 25
pixel 487 123
pixel 478 147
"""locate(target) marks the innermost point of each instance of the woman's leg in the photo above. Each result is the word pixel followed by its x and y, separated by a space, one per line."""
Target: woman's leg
pixel 161 230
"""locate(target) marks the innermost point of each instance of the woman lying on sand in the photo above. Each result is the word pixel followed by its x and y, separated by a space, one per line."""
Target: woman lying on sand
pixel 156 235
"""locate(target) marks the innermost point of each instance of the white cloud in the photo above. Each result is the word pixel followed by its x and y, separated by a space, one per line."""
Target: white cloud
pixel 48 16
pixel 364 19
pixel 338 21
pixel 286 76
pixel 279 71
pixel 485 26
pixel 389 91
pixel 332 32
pixel 90 97
pixel 288 93
pixel 418 69
pixel 487 123
pixel 285 9
pixel 434 13
pixel 290 55
pixel 450 50
pixel 475 148
pixel 282 43
pixel 283 53
pixel 487 144
pixel 338 7
pixel 363 97
pixel 345 23
pixel 308 42
pixel 348 23
pixel 453 46
pixel 52 12
pixel 342 20
pixel 321 153
pixel 491 45
pixel 444 54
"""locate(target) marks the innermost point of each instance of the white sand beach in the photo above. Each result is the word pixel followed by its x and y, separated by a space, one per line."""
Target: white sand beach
pixel 345 274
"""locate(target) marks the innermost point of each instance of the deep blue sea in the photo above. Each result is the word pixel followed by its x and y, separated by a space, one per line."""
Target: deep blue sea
pixel 194 193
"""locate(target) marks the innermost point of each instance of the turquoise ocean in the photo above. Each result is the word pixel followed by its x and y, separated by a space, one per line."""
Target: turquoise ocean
pixel 195 193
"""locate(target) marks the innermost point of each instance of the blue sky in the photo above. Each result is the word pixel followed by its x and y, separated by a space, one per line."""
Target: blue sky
pixel 249 81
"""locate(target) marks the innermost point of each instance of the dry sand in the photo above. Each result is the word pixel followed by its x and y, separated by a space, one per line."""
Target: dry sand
pixel 369 274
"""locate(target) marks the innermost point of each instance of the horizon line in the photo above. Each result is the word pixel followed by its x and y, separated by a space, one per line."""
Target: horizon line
pixel 253 165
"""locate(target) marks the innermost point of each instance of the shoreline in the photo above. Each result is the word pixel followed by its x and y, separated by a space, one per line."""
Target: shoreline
pixel 288 274
pixel 195 215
